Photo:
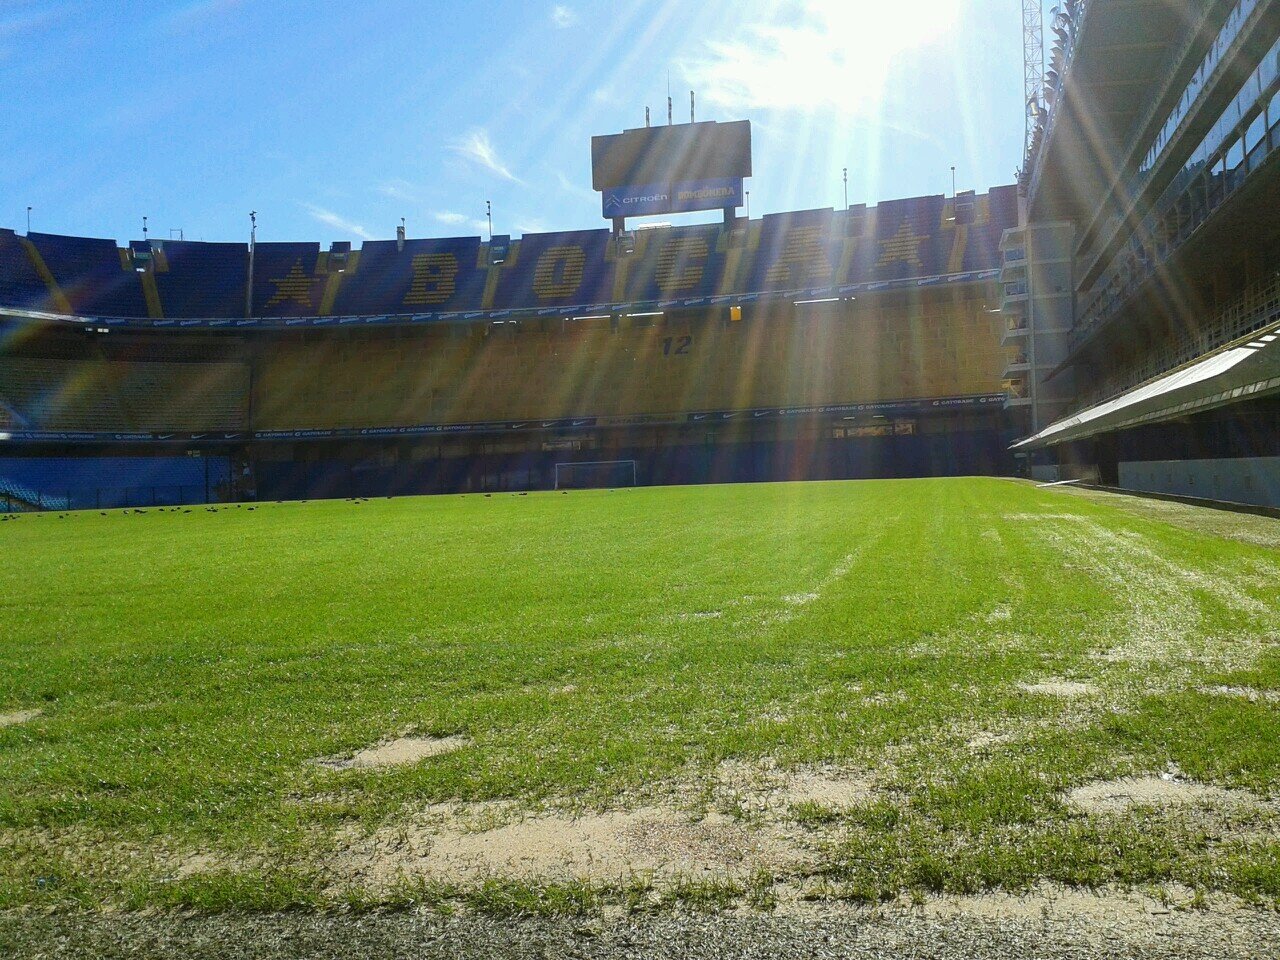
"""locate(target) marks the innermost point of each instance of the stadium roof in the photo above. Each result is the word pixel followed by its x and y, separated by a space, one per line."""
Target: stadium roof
pixel 1113 84
pixel 1236 372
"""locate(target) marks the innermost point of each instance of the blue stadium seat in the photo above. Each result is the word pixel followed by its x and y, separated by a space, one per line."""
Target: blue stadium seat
pixel 908 240
pixel 557 270
pixel 62 483
pixel 897 240
pixel 679 262
pixel 284 280
pixel 426 276
pixel 20 284
pixel 91 275
pixel 197 279
pixel 798 250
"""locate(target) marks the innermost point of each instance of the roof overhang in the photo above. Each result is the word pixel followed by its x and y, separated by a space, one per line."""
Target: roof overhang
pixel 1123 52
pixel 1241 371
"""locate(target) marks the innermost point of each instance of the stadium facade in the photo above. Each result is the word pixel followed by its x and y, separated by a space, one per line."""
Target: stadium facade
pixel 816 344
pixel 1144 285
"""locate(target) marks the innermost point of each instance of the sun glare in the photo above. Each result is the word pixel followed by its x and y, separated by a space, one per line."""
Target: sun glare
pixel 818 53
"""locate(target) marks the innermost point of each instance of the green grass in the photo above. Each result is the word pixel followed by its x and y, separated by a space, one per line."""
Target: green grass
pixel 603 646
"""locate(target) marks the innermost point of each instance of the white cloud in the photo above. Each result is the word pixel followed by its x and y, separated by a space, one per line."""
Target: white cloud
pixel 568 186
pixel 817 54
pixel 531 226
pixel 563 17
pixel 451 218
pixel 477 148
pixel 399 190
pixel 338 222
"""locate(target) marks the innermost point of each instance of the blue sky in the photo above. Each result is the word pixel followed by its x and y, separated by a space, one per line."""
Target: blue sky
pixel 333 120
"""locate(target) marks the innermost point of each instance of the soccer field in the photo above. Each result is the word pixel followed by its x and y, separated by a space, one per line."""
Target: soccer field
pixel 558 702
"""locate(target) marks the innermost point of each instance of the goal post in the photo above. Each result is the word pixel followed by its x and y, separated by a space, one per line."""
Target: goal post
pixel 582 475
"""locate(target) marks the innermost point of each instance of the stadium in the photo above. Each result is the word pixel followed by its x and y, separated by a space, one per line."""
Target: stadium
pixel 817 344
pixel 889 579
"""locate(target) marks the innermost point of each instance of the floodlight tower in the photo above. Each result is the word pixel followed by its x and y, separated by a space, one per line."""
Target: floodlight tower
pixel 1032 67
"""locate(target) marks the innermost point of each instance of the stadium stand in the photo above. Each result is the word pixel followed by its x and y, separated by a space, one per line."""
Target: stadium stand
pixel 20 283
pixel 61 394
pixel 285 280
pixel 557 270
pixel 17 497
pixel 62 483
pixel 816 342
pixel 196 279
pixel 1149 258
pixel 556 369
pixel 93 275
pixel 896 241
pixel 669 263
pixel 417 275
pixel 108 396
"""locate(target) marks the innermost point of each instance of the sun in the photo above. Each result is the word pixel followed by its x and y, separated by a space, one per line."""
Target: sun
pixel 818 53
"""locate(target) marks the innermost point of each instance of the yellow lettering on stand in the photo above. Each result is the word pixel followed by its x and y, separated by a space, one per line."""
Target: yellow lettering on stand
pixel 803 258
pixel 435 279
pixel 559 272
pixel 681 263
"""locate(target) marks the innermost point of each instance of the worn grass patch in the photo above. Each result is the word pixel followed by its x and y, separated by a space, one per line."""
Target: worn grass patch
pixel 867 689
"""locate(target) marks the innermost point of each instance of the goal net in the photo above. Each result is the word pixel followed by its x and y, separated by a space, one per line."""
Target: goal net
pixel 599 473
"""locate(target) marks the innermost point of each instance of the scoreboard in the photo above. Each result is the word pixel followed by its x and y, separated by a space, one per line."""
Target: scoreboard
pixel 671 169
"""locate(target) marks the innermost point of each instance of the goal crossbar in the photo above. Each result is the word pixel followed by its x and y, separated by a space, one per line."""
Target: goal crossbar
pixel 617 465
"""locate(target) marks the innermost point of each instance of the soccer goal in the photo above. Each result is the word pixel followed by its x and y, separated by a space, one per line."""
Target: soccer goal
pixel 597 473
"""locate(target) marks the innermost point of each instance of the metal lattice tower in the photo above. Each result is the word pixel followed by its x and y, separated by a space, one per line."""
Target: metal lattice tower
pixel 1032 66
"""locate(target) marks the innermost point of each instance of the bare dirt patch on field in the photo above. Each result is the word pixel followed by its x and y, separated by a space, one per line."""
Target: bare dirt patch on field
pixel 1120 796
pixel 733 826
pixel 764 788
pixel 1060 688
pixel 18 716
pixel 700 615
pixel 651 842
pixel 393 753
pixel 987 739
pixel 1245 693
pixel 832 792
pixel 998 614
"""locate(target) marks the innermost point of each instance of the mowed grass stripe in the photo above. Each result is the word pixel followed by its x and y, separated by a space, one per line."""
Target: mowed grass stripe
pixel 602 646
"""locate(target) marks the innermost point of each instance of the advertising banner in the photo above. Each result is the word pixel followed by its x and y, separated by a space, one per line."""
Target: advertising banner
pixel 680 197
